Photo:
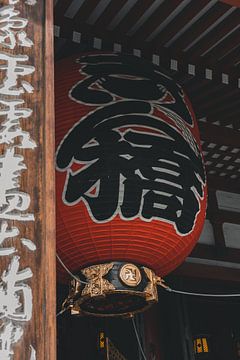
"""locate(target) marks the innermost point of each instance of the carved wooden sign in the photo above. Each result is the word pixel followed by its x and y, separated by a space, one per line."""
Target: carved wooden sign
pixel 27 241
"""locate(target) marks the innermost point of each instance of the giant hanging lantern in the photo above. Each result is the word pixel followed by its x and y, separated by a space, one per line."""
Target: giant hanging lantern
pixel 131 187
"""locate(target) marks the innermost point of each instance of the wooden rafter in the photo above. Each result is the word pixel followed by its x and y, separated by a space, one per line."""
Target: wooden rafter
pixel 178 23
pixel 200 26
pixel 109 13
pixel 219 135
pixel 85 10
pixel 133 15
pixel 227 25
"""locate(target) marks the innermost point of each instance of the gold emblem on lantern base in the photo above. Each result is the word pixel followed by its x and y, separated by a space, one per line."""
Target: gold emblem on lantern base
pixel 130 275
pixel 105 290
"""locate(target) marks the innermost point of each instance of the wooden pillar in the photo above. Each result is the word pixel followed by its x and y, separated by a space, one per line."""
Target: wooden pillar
pixel 27 198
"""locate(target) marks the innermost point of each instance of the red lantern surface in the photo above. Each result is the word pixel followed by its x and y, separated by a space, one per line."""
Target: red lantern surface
pixel 130 177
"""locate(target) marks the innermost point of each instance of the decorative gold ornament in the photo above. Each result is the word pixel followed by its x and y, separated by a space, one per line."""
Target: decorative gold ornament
pixel 97 284
pixel 130 275
pixel 151 288
pixel 113 289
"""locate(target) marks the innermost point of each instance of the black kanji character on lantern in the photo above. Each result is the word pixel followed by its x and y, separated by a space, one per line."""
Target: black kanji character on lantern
pixel 135 165
pixel 127 77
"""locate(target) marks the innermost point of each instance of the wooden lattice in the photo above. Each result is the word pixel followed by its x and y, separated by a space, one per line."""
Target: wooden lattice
pixel 112 352
pixel 222 160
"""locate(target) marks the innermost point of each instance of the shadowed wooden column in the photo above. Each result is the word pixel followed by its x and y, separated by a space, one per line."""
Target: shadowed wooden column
pixel 27 188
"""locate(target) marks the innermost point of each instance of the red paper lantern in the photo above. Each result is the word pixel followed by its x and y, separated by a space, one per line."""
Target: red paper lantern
pixel 130 177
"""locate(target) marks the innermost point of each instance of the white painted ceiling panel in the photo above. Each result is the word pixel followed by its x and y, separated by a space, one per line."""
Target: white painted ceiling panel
pixel 232 235
pixel 207 236
pixel 228 201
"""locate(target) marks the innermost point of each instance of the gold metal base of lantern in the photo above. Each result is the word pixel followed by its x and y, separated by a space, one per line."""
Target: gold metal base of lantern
pixel 113 289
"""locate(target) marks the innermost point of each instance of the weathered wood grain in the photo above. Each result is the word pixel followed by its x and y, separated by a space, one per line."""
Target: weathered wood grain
pixel 38 181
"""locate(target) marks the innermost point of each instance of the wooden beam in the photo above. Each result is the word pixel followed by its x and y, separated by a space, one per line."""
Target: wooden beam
pixel 47 343
pixel 231 58
pixel 214 97
pixel 162 12
pixel 85 10
pixel 224 216
pixel 219 183
pixel 211 252
pixel 227 107
pixel 59 11
pixel 214 215
pixel 231 2
pixel 182 18
pixel 199 26
pixel 132 17
pixel 219 134
pixel 204 271
pixel 166 55
pixel 27 204
pixel 112 9
pixel 219 31
pixel 223 48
